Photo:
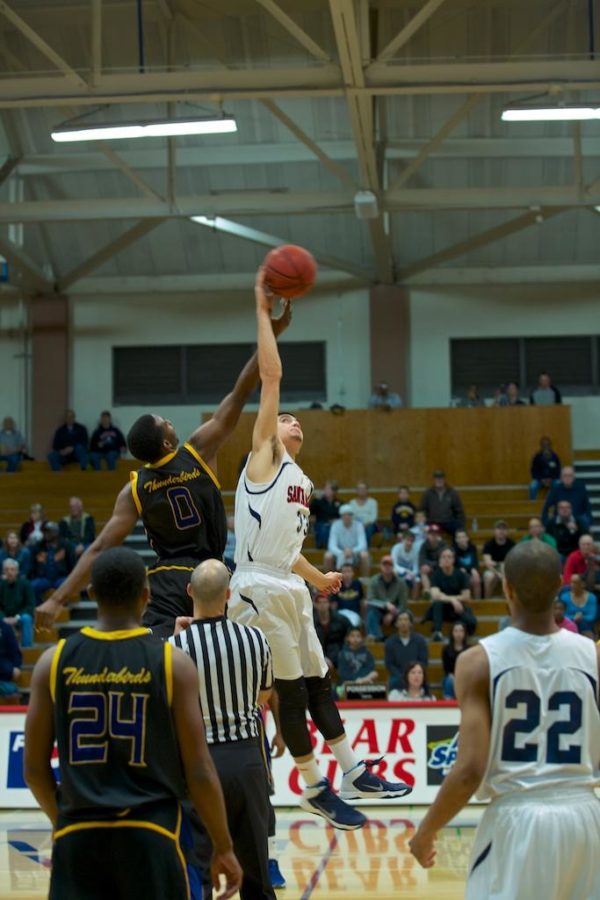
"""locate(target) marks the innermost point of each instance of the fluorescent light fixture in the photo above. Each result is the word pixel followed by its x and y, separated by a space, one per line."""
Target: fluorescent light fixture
pixel 551 114
pixel 158 128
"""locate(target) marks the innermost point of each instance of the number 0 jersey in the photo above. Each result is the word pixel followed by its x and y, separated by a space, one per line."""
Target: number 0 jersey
pixel 271 520
pixel 117 745
pixel 179 501
pixel 545 720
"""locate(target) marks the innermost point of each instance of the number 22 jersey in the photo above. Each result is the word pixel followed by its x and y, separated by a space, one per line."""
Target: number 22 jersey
pixel 545 720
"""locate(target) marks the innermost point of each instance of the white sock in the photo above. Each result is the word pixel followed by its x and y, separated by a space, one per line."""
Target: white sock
pixel 344 754
pixel 273 847
pixel 310 771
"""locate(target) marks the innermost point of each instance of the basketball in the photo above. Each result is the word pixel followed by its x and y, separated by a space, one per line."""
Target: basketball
pixel 290 271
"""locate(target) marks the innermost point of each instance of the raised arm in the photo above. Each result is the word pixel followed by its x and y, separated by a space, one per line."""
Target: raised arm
pixel 211 435
pixel 120 524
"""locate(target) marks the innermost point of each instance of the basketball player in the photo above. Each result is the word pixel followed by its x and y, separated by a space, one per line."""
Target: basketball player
pixel 268 590
pixel 530 740
pixel 178 497
pixel 124 710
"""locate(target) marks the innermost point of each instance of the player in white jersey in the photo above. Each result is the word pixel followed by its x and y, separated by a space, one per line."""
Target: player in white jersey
pixel 530 741
pixel 268 590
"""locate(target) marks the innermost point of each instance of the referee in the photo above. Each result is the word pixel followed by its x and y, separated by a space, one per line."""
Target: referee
pixel 235 677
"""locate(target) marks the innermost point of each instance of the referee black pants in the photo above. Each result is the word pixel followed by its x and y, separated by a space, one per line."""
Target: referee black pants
pixel 241 770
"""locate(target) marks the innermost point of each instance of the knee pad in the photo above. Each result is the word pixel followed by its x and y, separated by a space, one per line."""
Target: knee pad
pixel 293 700
pixel 322 707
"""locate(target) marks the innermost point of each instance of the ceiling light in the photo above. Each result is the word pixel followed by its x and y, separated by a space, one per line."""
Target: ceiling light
pixel 157 128
pixel 551 114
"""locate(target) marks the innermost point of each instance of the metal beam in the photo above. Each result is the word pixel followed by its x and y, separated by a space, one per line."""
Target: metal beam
pixel 578 160
pixel 339 171
pixel 236 229
pixel 8 168
pixel 112 249
pixel 30 276
pixel 411 28
pixel 494 275
pixel 126 169
pixel 481 240
pixel 436 141
pixel 96 67
pixel 294 29
pixel 265 202
pixel 38 42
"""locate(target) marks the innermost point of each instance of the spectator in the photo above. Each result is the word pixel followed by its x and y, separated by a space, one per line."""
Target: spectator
pixel 70 444
pixel 571 489
pixel 11 661
pixel 419 529
pixel 495 552
pixel 415 688
pixel 12 445
pixel 350 597
pixel 449 593
pixel 387 596
pixel 13 549
pixel 403 511
pixel 383 398
pixel 429 555
pixel 402 647
pixel 545 468
pixel 510 397
pixel 536 532
pixel 405 555
pixel 365 509
pixel 457 644
pixel 565 529
pixel 465 553
pixel 581 606
pixel 442 504
pixel 355 662
pixel 561 619
pixel 17 602
pixel 331 628
pixel 107 443
pixel 472 398
pixel 583 561
pixel 78 527
pixel 53 559
pixel 229 552
pixel 545 394
pixel 31 530
pixel 347 543
pixel 324 510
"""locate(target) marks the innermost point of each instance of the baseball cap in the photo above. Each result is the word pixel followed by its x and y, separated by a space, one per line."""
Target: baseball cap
pixel 387 559
pixel 439 473
pixel 346 510
pixel 49 526
pixel 500 524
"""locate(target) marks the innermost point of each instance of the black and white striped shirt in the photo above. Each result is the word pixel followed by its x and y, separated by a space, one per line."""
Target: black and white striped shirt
pixel 234 664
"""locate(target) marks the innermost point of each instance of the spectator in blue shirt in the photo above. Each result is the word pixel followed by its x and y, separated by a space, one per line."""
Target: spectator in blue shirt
pixel 11 661
pixel 13 549
pixel 571 489
pixel 545 468
pixel 53 559
pixel 356 664
pixel 107 443
pixel 70 444
pixel 350 597
pixel 581 606
pixel 403 647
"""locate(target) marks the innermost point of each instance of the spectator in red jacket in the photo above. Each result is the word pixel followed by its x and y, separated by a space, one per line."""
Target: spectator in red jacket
pixel 583 562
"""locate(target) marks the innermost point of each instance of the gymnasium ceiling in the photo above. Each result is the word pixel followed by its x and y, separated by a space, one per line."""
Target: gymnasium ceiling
pixel 398 97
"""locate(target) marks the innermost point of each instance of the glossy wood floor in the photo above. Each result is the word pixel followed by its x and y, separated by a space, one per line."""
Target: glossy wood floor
pixel 317 861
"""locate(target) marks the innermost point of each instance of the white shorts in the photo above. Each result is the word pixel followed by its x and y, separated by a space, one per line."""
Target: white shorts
pixel 279 604
pixel 543 846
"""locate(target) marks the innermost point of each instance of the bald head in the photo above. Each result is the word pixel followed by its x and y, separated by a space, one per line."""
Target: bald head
pixel 532 576
pixel 209 587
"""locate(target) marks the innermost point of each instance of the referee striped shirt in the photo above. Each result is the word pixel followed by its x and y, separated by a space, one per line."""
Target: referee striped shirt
pixel 234 665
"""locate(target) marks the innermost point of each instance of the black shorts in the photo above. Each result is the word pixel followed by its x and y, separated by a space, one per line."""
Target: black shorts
pixel 138 855
pixel 168 582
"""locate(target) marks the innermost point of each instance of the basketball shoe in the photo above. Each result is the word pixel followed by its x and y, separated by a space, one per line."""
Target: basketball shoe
pixel 321 800
pixel 361 782
pixel 276 878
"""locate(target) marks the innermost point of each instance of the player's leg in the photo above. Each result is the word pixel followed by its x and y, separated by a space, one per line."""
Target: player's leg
pixel 276 878
pixel 168 597
pixel 79 866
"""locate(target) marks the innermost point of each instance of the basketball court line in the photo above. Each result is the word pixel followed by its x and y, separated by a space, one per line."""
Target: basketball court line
pixel 314 879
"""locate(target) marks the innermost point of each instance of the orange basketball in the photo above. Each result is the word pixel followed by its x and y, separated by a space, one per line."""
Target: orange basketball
pixel 290 271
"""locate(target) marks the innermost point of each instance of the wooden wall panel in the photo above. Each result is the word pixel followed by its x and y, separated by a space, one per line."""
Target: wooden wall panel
pixel 474 446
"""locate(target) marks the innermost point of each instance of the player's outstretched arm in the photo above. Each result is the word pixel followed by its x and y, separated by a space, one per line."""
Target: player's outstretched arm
pixel 39 738
pixel 328 582
pixel 211 435
pixel 121 523
pixel 472 691
pixel 200 773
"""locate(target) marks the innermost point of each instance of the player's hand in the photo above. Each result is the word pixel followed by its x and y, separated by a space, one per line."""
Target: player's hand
pixel 181 623
pixel 333 583
pixel 277 745
pixel 46 613
pixel 264 297
pixel 422 847
pixel 283 319
pixel 226 864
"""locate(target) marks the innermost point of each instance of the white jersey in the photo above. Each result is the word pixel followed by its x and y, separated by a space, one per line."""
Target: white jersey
pixel 545 720
pixel 271 520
